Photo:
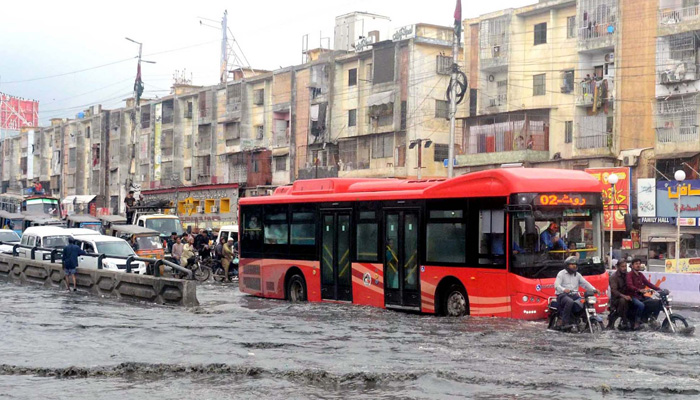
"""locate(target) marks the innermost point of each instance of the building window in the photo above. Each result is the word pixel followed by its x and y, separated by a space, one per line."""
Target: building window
pixel 442 109
pixel 232 130
pixel 539 85
pixel 444 65
pixel 352 77
pixel 259 97
pixel 352 117
pixel 567 81
pixel 368 75
pixel 571 27
pixel 541 33
pixel 281 163
pixel 568 131
pixel 145 117
pixel 442 152
pixel 259 131
pixel 404 115
pixel 188 173
pixel 188 110
pixel 383 146
pixel 233 94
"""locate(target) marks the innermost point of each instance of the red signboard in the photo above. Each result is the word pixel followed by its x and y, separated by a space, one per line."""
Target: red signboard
pixel 16 113
pixel 619 204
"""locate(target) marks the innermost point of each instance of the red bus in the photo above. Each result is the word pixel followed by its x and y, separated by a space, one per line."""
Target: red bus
pixel 432 246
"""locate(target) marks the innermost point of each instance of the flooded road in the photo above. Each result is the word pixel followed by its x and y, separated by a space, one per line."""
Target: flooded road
pixel 60 345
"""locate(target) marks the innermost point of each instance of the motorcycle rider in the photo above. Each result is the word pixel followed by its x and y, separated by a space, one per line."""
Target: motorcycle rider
pixel 620 301
pixel 566 288
pixel 187 253
pixel 637 285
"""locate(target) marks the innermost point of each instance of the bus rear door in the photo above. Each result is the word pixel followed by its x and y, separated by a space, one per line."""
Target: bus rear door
pixel 401 259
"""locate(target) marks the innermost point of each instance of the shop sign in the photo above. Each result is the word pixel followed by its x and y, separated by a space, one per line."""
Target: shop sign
pixel 667 196
pixel 657 220
pixel 617 203
pixel 687 221
pixel 646 197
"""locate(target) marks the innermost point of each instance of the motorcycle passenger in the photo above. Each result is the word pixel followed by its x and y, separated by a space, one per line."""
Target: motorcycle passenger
pixel 566 288
pixel 227 257
pixel 637 285
pixel 200 240
pixel 187 253
pixel 219 249
pixel 620 301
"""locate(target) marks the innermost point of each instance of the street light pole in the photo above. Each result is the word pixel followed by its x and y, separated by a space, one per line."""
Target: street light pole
pixel 612 180
pixel 419 142
pixel 680 177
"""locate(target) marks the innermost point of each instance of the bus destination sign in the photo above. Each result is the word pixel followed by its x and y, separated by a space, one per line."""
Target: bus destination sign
pixel 562 199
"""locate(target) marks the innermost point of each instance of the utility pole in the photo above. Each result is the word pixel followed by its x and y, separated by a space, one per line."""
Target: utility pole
pixel 453 87
pixel 223 70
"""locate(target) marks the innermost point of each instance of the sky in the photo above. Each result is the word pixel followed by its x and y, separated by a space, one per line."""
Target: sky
pixel 70 55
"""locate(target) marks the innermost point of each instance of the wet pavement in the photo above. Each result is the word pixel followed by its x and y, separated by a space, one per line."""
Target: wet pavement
pixel 61 345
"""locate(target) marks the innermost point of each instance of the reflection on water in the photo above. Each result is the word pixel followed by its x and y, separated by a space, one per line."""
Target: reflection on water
pixel 236 346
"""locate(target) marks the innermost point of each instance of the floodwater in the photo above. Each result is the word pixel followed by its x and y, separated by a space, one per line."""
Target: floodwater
pixel 66 345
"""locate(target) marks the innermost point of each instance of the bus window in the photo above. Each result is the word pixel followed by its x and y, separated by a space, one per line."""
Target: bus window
pixel 492 237
pixel 303 228
pixel 446 237
pixel 251 231
pixel 367 237
pixel 276 228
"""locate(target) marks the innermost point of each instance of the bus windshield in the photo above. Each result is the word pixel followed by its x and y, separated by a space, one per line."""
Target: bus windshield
pixel 560 233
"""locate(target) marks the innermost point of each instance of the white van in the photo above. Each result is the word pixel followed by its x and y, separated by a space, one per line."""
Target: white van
pixel 75 232
pixel 227 231
pixel 109 246
pixel 48 237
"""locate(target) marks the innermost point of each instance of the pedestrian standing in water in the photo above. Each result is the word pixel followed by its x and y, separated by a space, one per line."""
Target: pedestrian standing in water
pixel 70 262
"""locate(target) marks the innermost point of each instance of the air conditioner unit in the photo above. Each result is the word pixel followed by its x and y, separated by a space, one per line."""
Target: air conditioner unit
pixel 610 58
pixel 492 102
pixel 200 210
pixel 496 51
pixel 214 210
pixel 629 161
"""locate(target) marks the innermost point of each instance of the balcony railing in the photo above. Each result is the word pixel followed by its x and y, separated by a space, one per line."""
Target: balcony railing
pixel 677 134
pixel 596 36
pixel 590 91
pixel 678 15
pixel 496 138
pixel 592 141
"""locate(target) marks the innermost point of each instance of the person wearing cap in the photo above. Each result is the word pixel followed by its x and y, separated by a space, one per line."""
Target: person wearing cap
pixel 566 288
pixel 227 257
pixel 550 239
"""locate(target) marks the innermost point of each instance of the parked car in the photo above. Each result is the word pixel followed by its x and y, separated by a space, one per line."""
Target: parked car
pixel 47 237
pixel 84 221
pixel 9 238
pixel 109 246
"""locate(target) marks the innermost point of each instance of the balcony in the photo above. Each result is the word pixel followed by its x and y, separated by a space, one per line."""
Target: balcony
pixel 673 20
pixel 597 23
pixel 593 92
pixel 506 142
pixel 593 141
pixel 677 134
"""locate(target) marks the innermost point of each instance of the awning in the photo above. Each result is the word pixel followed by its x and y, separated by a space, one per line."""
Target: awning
pixel 377 99
pixel 632 152
pixel 682 154
pixel 82 199
pixel 282 151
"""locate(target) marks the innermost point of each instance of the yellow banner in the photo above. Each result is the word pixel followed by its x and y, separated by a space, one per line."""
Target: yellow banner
pixel 687 265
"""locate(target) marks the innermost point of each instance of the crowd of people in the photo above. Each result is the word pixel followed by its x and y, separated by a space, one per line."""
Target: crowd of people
pixel 202 242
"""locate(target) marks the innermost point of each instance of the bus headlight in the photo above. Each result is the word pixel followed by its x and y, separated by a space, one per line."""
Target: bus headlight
pixel 525 299
pixel 592 300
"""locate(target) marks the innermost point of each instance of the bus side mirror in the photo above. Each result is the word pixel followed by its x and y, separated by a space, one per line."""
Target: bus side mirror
pixel 530 227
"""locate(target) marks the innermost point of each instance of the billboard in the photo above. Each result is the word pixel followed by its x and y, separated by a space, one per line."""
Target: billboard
pixel 16 113
pixel 667 196
pixel 620 201
pixel 646 197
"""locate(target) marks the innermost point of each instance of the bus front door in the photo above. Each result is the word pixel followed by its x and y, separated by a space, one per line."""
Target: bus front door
pixel 336 270
pixel 401 259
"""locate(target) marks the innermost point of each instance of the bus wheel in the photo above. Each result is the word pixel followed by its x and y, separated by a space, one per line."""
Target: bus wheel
pixel 296 289
pixel 455 303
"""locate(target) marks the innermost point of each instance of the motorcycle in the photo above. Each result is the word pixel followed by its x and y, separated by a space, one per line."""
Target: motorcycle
pixel 671 322
pixel 219 272
pixel 584 316
pixel 200 270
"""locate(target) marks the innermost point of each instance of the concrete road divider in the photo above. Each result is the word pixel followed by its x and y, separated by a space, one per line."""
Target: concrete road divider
pixel 685 288
pixel 101 282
